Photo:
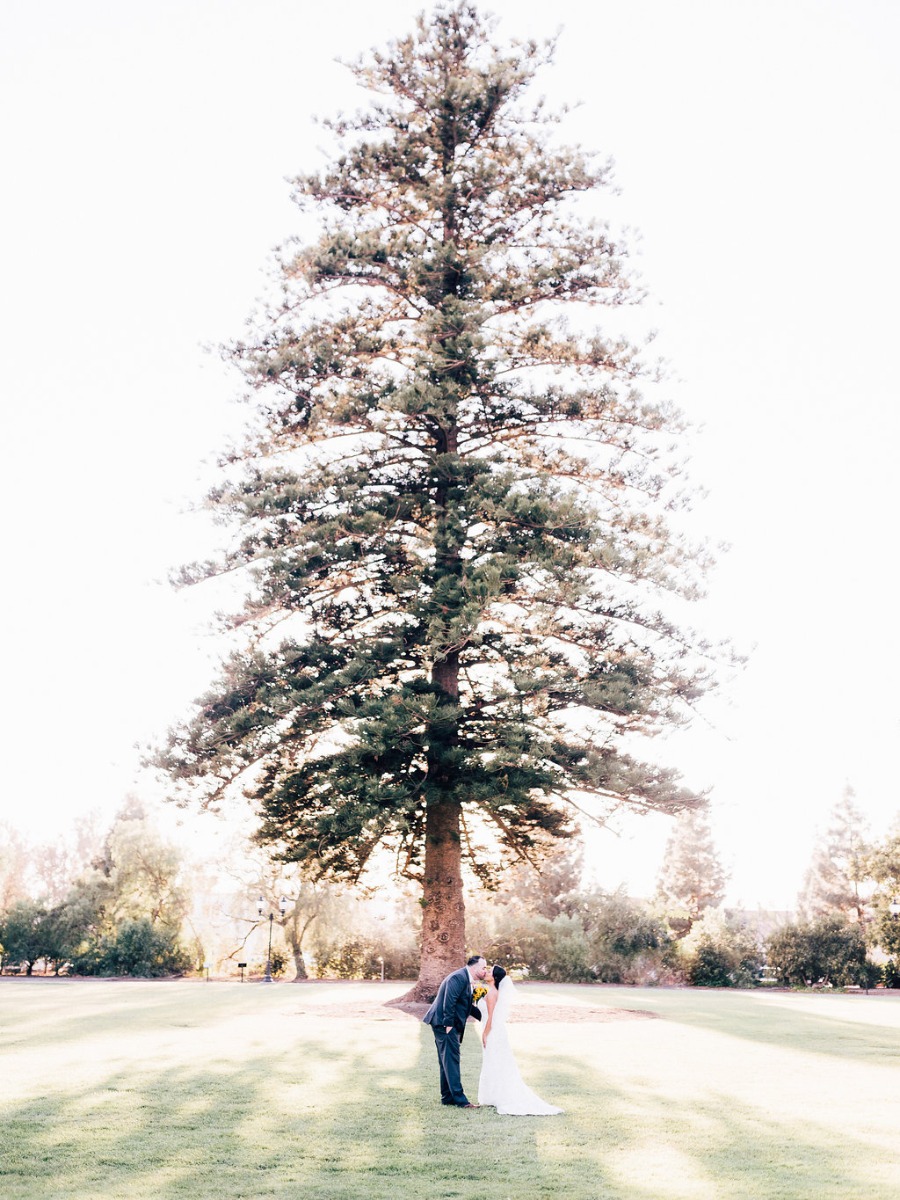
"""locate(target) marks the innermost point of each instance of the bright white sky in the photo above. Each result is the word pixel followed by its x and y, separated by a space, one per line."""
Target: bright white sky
pixel 144 149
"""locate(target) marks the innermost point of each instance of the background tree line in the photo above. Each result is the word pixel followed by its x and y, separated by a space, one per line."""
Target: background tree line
pixel 126 902
pixel 129 901
pixel 842 934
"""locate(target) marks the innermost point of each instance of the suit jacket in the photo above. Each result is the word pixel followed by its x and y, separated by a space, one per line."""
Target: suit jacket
pixel 453 1003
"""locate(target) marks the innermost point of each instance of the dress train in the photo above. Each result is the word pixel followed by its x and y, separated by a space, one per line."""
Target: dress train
pixel 501 1086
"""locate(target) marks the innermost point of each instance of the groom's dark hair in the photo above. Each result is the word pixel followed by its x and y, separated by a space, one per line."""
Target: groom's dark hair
pixel 470 962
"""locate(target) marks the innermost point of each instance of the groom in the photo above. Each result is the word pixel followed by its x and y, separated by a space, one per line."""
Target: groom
pixel 447 1018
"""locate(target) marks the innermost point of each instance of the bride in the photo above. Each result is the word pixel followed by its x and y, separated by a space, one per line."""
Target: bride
pixel 500 1085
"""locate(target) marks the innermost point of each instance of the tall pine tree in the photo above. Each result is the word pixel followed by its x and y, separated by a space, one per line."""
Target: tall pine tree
pixel 692 878
pixel 453 512
pixel 837 880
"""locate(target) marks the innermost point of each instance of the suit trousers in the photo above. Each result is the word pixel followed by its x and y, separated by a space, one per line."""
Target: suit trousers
pixel 448 1047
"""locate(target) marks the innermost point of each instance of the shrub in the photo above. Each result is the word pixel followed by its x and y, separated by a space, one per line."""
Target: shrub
pixel 362 958
pixel 829 950
pixel 137 948
pixel 605 938
pixel 278 962
pixel 719 952
pixel 628 944
pixel 709 965
pixel 554 948
pixel 23 931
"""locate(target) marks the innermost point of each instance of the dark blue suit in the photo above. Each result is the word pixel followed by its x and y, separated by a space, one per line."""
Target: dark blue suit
pixel 452 1006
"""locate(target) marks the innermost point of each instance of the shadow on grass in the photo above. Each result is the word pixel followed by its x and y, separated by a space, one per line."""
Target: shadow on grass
pixel 265 1128
pixel 718 1149
pixel 267 1125
pixel 43 1020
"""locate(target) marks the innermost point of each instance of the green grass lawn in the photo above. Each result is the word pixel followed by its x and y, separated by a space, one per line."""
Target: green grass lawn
pixel 128 1089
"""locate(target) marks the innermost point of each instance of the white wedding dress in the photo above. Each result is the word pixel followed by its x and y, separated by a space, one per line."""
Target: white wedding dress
pixel 501 1085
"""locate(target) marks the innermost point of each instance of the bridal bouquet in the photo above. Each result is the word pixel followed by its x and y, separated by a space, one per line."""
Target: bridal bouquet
pixel 478 993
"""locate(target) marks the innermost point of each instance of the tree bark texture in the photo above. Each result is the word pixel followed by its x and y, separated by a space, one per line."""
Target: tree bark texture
pixel 444 912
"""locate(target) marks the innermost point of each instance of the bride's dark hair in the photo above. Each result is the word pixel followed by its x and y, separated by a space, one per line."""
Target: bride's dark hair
pixel 498 974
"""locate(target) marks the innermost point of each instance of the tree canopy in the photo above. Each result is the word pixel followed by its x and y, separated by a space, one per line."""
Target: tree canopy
pixel 454 509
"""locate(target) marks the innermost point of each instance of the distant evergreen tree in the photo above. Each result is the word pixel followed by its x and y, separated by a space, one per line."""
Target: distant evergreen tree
pixel 837 876
pixel 453 510
pixel 691 879
pixel 14 864
pixel 549 888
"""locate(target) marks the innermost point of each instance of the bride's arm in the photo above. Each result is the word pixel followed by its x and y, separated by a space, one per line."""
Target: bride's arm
pixel 490 1000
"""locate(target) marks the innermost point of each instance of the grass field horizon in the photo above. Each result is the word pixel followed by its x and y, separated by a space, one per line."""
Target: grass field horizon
pixel 167 1089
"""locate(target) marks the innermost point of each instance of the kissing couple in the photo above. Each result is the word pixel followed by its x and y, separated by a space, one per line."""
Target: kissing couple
pixel 500 1085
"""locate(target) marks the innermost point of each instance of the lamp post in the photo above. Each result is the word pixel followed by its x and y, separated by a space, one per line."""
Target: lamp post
pixel 261 908
pixel 894 907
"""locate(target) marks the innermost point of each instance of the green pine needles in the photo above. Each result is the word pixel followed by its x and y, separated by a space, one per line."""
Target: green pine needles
pixel 453 510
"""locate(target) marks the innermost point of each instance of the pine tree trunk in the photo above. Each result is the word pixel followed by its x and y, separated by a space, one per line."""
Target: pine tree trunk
pixel 444 915
pixel 443 902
